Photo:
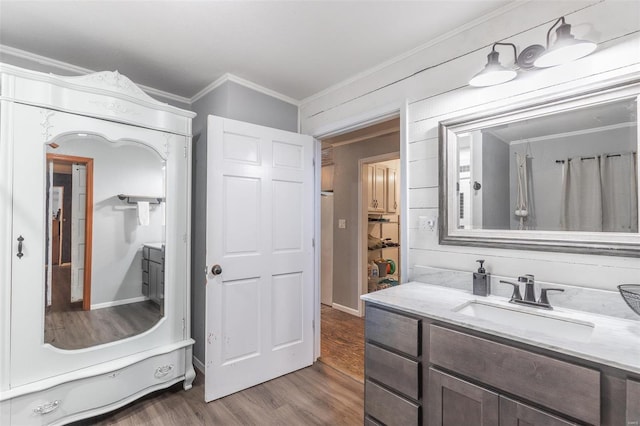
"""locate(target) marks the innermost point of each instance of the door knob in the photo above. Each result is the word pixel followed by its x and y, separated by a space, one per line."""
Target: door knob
pixel 216 270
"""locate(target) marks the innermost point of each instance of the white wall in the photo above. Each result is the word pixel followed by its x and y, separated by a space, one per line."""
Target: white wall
pixel 434 83
pixel 116 272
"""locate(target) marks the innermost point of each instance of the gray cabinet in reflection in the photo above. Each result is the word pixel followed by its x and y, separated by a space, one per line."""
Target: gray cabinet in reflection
pixel 153 273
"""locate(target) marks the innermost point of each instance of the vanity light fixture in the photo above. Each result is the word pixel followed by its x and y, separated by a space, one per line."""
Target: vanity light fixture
pixel 566 48
pixel 494 73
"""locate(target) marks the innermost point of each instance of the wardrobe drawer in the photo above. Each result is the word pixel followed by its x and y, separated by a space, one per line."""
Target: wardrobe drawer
pixel 54 404
pixel 393 330
pixel 389 408
pixel 559 385
pixel 393 370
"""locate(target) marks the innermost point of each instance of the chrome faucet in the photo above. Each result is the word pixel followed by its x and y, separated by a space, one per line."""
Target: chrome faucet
pixel 529 292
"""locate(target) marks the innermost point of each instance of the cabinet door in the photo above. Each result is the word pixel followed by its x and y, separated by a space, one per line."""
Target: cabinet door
pixel 454 402
pixel 392 190
pixel 371 182
pixel 514 413
pixel 379 190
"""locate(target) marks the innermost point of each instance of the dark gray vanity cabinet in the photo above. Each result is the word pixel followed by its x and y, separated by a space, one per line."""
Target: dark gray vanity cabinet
pixel 153 274
pixel 393 350
pixel 562 387
pixel 422 372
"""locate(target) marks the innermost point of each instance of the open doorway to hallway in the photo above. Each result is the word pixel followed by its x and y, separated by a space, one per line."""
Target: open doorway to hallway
pixel 348 194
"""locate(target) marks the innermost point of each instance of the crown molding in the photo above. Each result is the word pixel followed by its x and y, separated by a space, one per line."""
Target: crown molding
pixel 210 88
pixel 414 51
pixel 246 83
pixel 23 54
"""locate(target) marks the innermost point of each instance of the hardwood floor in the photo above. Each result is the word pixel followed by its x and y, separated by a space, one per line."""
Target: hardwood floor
pixel 316 395
pixel 342 342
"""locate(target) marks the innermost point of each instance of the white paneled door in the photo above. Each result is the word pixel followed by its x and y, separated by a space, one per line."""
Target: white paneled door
pixel 260 259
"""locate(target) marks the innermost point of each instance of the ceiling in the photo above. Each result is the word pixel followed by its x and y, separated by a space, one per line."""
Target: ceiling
pixel 295 48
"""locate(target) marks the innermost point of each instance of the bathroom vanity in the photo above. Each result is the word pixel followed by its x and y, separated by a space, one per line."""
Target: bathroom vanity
pixel 67 358
pixel 435 356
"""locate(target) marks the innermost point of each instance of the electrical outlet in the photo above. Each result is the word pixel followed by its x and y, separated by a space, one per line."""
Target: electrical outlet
pixel 427 223
pixel 342 223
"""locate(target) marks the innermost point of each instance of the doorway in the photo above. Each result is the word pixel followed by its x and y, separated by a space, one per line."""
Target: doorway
pixel 344 228
pixel 70 227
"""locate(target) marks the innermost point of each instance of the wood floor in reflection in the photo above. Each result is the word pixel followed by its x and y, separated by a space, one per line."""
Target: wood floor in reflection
pixel 67 326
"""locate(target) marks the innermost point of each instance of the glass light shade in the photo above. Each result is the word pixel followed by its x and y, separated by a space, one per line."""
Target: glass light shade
pixel 566 49
pixel 493 73
pixel 559 55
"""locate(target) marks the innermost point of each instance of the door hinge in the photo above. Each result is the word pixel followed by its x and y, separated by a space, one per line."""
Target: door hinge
pixel 313 324
pixel 313 242
pixel 184 324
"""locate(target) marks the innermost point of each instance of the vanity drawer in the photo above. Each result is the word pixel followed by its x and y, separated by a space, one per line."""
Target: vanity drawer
pixel 393 330
pixel 92 393
pixel 389 408
pixel 368 421
pixel 145 265
pixel 156 256
pixel 561 386
pixel 393 370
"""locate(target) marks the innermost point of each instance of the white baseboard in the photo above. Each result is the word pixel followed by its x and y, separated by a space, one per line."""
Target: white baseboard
pixel 346 309
pixel 198 365
pixel 119 302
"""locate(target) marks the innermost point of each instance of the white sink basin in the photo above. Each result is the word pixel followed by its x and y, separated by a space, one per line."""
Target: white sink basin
pixel 528 319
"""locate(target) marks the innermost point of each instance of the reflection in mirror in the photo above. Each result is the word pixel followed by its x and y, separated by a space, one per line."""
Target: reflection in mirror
pixel 554 175
pixel 105 253
pixel 570 171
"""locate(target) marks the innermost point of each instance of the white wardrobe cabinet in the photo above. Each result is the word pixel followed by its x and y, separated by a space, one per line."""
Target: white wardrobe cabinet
pixel 123 160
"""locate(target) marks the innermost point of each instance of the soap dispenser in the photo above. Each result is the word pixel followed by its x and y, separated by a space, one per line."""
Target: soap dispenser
pixel 481 280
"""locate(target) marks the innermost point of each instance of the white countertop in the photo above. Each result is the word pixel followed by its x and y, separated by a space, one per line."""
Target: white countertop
pixel 157 246
pixel 614 341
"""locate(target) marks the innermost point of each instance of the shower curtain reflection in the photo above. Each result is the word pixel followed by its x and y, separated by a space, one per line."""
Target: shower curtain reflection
pixel 600 193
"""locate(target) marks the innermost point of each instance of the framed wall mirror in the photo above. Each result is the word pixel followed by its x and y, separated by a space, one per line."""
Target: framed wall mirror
pixel 104 248
pixel 555 176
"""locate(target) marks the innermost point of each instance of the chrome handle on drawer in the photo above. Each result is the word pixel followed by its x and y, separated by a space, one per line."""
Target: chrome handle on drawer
pixel 47 408
pixel 163 371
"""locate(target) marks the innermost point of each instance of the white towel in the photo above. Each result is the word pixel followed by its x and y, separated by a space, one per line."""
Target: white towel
pixel 143 213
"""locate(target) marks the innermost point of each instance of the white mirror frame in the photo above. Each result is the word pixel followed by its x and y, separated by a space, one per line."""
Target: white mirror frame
pixel 599 243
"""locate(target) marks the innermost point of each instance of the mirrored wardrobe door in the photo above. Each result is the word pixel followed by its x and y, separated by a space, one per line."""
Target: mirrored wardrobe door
pixel 88 272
